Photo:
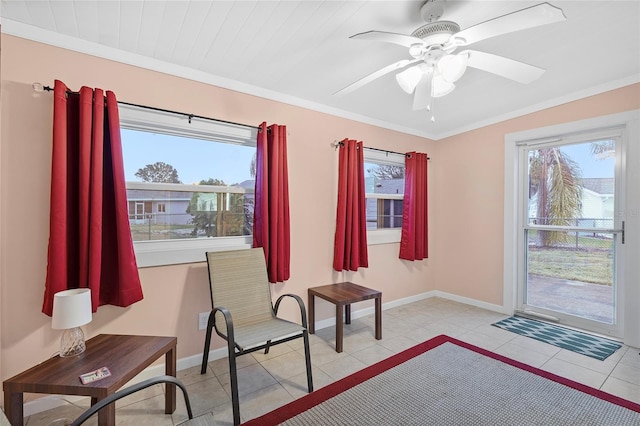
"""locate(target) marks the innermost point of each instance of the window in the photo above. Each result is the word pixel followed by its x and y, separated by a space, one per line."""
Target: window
pixel 384 187
pixel 190 185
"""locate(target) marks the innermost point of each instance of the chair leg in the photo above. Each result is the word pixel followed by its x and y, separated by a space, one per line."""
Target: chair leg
pixel 267 346
pixel 233 374
pixel 205 353
pixel 307 356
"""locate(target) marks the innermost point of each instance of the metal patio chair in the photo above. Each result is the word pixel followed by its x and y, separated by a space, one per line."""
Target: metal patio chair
pixel 243 313
pixel 204 420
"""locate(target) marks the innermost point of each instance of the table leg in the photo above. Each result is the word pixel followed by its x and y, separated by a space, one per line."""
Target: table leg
pixel 106 416
pixel 379 317
pixel 312 317
pixel 170 389
pixel 347 314
pixel 13 407
pixel 339 326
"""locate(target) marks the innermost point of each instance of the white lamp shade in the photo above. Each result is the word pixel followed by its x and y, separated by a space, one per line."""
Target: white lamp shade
pixel 440 86
pixel 451 67
pixel 409 78
pixel 71 308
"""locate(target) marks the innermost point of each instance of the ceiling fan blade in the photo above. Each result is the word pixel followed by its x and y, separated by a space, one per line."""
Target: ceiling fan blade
pixel 422 94
pixel 504 67
pixel 401 39
pixel 531 17
pixel 377 74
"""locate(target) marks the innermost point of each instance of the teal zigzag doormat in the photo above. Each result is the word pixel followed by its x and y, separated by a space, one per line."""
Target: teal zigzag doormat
pixel 565 338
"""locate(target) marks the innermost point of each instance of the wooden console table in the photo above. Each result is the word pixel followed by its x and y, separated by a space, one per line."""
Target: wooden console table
pixel 125 356
pixel 344 294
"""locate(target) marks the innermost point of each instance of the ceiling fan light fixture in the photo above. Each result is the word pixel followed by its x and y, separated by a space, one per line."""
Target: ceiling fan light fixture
pixel 409 78
pixel 440 87
pixel 452 67
pixel 417 50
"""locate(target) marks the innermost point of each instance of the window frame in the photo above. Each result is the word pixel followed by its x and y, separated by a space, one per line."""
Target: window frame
pixel 387 235
pixel 630 122
pixel 172 252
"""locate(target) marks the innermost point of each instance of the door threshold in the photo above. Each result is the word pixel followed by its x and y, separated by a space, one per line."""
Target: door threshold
pixel 549 318
pixel 536 315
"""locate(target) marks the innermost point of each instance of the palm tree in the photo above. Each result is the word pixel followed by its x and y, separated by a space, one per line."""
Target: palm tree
pixel 554 178
pixel 603 149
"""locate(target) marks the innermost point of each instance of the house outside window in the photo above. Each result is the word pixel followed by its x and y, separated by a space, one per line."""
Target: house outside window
pixel 384 187
pixel 190 185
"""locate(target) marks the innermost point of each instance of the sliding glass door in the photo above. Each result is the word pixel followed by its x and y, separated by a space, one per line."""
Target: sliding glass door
pixel 572 234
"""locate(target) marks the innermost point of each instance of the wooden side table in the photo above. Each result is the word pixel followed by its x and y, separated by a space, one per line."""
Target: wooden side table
pixel 344 294
pixel 125 356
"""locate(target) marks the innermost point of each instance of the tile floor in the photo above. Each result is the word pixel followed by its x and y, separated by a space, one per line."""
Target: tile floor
pixel 269 381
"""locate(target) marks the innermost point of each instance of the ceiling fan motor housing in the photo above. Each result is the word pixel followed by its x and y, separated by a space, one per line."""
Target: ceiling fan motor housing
pixel 432 10
pixel 436 32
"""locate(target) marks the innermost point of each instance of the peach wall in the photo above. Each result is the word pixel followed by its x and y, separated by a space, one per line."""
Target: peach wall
pixel 466 200
pixel 469 211
pixel 173 294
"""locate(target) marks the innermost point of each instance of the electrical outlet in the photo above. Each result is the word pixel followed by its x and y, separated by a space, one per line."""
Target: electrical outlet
pixel 203 319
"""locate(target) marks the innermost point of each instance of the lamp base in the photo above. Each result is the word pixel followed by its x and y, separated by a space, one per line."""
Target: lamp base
pixel 72 342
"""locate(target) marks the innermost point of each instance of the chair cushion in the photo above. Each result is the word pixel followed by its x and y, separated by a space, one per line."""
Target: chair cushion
pixel 258 334
pixel 239 282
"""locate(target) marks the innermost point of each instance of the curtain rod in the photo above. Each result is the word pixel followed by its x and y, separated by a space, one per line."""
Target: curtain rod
pixel 338 143
pixel 38 88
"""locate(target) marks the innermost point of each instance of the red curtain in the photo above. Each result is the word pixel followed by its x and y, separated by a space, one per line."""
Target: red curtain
pixel 414 244
pixel 90 244
pixel 350 245
pixel 271 214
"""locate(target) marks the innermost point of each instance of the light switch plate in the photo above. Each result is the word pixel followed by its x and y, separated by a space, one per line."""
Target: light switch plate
pixel 203 318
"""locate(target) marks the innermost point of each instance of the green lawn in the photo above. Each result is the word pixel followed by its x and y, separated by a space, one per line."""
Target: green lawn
pixel 587 265
pixel 144 232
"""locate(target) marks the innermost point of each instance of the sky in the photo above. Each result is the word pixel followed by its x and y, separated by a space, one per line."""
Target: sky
pixel 225 161
pixel 591 166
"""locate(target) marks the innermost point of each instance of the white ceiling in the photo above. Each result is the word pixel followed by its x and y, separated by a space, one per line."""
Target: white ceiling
pixel 300 52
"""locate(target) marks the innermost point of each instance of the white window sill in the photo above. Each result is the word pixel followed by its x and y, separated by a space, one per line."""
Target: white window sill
pixel 383 236
pixel 167 252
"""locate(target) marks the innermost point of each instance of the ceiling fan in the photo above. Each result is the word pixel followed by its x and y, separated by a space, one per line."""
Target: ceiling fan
pixel 434 67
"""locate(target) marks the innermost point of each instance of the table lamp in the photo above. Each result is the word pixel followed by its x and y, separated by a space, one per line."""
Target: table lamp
pixel 71 309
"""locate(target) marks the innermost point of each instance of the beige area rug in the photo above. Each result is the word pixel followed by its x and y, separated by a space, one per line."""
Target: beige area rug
pixel 444 381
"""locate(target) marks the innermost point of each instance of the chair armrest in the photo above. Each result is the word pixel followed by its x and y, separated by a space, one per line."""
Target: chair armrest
pixel 132 389
pixel 230 336
pixel 303 311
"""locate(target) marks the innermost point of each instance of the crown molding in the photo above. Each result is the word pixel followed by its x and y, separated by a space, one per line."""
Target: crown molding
pixel 29 32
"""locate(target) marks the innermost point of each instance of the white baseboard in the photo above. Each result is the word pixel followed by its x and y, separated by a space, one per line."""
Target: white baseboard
pixel 473 302
pixel 53 401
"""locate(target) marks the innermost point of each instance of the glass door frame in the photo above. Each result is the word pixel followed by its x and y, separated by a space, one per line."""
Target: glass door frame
pixel 616 328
